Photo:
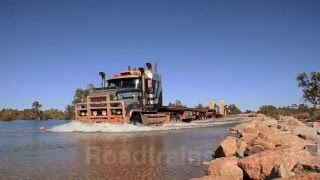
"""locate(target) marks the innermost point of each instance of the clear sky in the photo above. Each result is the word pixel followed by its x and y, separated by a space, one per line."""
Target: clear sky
pixel 247 53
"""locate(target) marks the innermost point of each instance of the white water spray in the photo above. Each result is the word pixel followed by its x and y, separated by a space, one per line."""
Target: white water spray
pixel 75 126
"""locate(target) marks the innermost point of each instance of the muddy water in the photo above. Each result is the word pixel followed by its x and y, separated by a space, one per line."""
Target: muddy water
pixel 29 154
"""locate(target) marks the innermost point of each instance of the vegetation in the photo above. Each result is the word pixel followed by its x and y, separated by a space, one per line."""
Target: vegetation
pixel 178 103
pixel 310 87
pixel 80 95
pixel 233 109
pixel 36 113
pixel 301 111
pixel 199 106
pixel 248 111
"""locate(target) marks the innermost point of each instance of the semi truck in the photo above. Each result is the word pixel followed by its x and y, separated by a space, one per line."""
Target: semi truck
pixel 135 96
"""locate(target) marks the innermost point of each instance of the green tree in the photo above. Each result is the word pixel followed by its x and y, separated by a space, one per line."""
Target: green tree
pixel 28 114
pixel 233 109
pixel 7 115
pixel 10 114
pixel 53 114
pixel 69 112
pixel 269 110
pixel 310 85
pixel 80 95
pixel 248 111
pixel 199 106
pixel 36 108
pixel 178 103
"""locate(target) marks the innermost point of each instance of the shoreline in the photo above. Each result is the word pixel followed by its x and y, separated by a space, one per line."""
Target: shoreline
pixel 261 147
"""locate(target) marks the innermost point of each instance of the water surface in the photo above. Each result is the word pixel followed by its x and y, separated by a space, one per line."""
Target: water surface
pixel 163 154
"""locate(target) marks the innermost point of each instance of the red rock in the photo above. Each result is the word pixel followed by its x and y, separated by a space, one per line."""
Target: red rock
pixel 215 178
pixel 306 176
pixel 310 166
pixel 316 125
pixel 260 165
pixel 246 137
pixel 226 166
pixel 42 128
pixel 272 138
pixel 280 171
pixel 227 148
pixel 242 147
pixel 290 121
pixel 205 163
pixel 233 132
pixel 192 160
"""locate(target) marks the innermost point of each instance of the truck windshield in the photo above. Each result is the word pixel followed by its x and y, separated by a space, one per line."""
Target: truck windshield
pixel 124 83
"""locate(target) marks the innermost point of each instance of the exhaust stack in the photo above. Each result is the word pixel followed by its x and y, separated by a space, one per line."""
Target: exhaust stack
pixel 103 78
pixel 149 66
pixel 144 102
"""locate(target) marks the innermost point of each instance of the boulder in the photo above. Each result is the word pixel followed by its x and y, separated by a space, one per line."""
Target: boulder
pixel 280 172
pixel 316 125
pixel 215 178
pixel 298 128
pixel 306 133
pixel 227 148
pixel 272 138
pixel 306 176
pixel 226 166
pixel 205 163
pixel 310 166
pixel 242 147
pixel 290 121
pixel 42 128
pixel 260 165
pixel 314 150
pixel 255 125
pixel 192 160
pixel 246 137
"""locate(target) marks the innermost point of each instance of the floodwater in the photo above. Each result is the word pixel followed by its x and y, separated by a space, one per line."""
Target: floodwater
pixel 67 151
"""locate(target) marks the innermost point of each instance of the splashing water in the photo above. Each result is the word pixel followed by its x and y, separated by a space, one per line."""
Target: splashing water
pixel 76 126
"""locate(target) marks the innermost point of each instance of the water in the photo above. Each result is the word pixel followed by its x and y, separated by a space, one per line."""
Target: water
pixel 128 152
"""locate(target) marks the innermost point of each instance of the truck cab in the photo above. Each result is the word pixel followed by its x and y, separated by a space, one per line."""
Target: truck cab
pixel 130 96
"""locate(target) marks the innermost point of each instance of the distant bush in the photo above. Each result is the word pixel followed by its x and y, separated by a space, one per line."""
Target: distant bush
pixel 233 109
pixel 269 110
pixel 301 111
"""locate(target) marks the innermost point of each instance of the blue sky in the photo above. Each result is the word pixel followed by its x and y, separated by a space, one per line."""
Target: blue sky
pixel 247 53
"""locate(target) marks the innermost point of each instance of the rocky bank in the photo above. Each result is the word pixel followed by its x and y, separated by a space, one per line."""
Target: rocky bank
pixel 264 148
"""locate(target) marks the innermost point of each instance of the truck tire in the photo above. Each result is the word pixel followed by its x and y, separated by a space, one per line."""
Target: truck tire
pixel 135 119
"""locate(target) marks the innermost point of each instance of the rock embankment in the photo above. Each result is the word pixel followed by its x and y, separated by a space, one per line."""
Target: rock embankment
pixel 265 148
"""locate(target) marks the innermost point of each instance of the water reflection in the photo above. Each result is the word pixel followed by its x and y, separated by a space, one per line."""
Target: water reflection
pixel 31 154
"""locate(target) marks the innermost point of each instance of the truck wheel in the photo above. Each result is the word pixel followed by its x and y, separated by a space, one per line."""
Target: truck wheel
pixel 135 118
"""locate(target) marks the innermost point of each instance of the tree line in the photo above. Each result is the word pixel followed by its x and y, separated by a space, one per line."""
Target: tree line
pixel 309 83
pixel 36 112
